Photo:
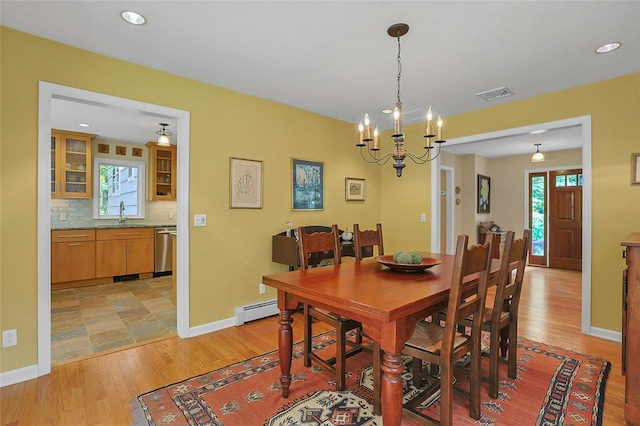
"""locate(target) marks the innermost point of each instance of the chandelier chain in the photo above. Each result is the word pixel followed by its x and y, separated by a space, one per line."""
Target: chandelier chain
pixel 399 69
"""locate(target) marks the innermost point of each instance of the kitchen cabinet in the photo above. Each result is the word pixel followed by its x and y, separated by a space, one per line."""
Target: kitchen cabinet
pixel 162 172
pixel 124 251
pixel 631 329
pixel 73 255
pixel 71 164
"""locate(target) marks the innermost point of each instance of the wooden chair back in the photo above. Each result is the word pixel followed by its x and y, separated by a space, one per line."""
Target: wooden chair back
pixel 469 261
pixel 364 241
pixel 318 242
pixel 514 259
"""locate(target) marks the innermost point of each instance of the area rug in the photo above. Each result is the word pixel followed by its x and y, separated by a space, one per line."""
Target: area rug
pixel 553 387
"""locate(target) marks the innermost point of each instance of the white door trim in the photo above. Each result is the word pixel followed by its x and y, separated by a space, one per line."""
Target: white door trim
pixel 47 92
pixel 585 124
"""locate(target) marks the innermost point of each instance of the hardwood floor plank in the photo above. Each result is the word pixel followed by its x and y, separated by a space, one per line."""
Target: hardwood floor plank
pixel 98 390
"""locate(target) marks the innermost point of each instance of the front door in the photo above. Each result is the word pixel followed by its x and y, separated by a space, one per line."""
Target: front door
pixel 565 219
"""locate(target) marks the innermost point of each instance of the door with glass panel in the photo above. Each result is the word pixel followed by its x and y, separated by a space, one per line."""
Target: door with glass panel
pixel 565 219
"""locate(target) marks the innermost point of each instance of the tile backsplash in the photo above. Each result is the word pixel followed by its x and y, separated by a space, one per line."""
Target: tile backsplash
pixel 79 213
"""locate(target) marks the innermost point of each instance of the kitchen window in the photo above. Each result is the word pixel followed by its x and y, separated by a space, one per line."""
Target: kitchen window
pixel 117 181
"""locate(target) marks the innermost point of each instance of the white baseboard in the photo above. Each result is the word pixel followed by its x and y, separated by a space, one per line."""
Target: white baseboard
pixel 18 375
pixel 603 333
pixel 211 327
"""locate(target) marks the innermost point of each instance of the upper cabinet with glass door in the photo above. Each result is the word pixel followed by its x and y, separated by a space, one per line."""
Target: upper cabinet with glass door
pixel 71 164
pixel 162 172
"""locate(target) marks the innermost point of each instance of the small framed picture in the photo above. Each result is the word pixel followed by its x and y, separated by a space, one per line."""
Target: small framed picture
pixel 354 189
pixel 103 148
pixel 635 168
pixel 121 150
pixel 484 194
pixel 307 185
pixel 245 183
pixel 136 152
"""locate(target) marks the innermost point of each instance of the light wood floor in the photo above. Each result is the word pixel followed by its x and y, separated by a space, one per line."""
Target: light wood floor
pixel 98 390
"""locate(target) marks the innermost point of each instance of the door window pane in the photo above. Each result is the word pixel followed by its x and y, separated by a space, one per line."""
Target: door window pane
pixel 538 215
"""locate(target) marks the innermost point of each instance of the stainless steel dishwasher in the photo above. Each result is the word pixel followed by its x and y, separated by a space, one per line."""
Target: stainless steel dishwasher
pixel 163 250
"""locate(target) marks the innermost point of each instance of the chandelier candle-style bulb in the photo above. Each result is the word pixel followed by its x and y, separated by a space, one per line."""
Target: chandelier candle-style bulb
pixel 361 131
pixel 375 140
pixel 397 120
pixel 367 128
pixel 429 133
pixel 439 128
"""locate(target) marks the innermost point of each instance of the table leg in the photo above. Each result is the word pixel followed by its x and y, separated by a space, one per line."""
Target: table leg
pixel 392 389
pixel 285 346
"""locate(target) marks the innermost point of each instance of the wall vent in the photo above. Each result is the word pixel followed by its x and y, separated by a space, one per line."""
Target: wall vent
pixel 255 311
pixel 500 92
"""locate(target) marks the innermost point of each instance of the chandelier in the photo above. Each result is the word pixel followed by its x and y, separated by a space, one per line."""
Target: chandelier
pixel 398 154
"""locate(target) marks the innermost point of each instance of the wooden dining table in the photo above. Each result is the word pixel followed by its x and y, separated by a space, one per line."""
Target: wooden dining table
pixel 388 303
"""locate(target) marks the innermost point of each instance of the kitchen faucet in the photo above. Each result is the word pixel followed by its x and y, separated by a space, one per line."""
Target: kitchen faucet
pixel 122 218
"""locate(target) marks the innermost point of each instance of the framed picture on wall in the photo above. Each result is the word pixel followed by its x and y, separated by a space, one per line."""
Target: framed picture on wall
pixel 354 189
pixel 484 194
pixel 635 168
pixel 245 184
pixel 307 185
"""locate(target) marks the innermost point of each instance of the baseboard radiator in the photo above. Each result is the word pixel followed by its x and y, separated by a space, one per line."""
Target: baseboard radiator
pixel 256 311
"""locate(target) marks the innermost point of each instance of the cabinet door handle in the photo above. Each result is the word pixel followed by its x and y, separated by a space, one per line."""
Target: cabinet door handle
pixel 73 236
pixel 127 233
pixel 73 244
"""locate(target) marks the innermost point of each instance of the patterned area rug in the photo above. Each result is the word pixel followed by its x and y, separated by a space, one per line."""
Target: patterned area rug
pixel 553 387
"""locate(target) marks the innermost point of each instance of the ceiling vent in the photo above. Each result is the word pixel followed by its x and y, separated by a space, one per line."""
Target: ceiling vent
pixel 500 92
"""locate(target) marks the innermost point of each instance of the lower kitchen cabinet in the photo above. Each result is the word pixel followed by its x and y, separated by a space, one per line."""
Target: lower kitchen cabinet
pixel 124 251
pixel 73 255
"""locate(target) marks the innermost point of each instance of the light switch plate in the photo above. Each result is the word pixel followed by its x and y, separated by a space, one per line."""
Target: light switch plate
pixel 423 217
pixel 199 220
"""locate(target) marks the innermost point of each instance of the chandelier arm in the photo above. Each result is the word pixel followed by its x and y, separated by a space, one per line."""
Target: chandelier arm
pixel 424 158
pixel 375 160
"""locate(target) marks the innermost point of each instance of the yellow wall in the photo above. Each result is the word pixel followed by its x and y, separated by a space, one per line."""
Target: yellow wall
pixel 230 255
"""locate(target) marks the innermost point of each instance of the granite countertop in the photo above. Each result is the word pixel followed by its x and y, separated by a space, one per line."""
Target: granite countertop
pixel 114 226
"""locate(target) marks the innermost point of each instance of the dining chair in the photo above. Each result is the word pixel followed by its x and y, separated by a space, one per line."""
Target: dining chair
pixel 501 318
pixel 443 345
pixel 324 242
pixel 364 241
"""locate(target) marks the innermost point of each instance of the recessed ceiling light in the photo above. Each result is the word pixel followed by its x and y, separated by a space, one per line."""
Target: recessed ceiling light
pixel 84 125
pixel 133 17
pixel 537 132
pixel 608 47
pixel 387 111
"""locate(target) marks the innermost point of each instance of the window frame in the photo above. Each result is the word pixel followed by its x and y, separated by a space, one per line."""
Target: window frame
pixel 141 186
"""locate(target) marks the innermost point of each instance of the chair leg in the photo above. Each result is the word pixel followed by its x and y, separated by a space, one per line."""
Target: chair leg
pixel 474 391
pixel 513 347
pixel 446 394
pixel 307 335
pixel 494 372
pixel 416 364
pixel 377 378
pixel 341 356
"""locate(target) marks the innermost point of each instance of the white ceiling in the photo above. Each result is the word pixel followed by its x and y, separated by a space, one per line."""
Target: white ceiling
pixel 335 58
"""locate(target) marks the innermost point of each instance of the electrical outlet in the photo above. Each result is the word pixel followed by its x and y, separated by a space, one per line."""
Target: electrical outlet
pixel 63 215
pixel 9 338
pixel 199 220
pixel 262 288
pixel 423 217
pixel 170 215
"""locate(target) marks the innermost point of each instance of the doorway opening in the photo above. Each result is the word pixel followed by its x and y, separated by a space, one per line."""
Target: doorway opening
pixel 584 124
pixel 47 93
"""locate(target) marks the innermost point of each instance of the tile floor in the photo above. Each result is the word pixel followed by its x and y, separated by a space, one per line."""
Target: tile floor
pixel 93 319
